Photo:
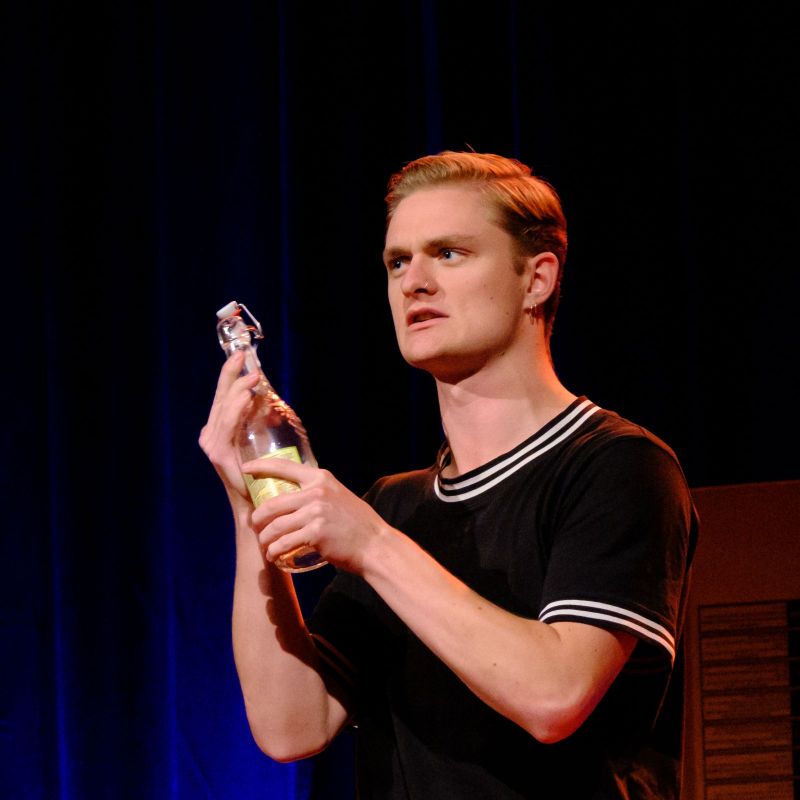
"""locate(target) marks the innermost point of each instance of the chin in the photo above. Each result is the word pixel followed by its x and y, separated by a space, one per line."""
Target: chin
pixel 445 368
pixel 423 359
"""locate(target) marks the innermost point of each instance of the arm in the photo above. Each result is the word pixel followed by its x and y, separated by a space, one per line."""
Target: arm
pixel 292 708
pixel 546 678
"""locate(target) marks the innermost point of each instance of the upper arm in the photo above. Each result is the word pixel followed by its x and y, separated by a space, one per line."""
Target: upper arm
pixel 621 556
pixel 347 634
pixel 338 674
pixel 617 571
pixel 596 654
pixel 590 659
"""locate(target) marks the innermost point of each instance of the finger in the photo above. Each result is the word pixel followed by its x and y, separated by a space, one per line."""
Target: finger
pixel 284 524
pixel 228 414
pixel 227 375
pixel 280 505
pixel 227 378
pixel 280 527
pixel 224 421
pixel 282 468
pixel 287 543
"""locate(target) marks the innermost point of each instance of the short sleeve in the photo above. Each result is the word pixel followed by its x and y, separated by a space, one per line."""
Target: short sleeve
pixel 621 545
pixel 342 624
pixel 350 622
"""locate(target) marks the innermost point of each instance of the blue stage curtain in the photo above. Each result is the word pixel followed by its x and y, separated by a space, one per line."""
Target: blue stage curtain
pixel 160 162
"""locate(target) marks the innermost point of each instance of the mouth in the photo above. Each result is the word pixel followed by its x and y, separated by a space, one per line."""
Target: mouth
pixel 422 315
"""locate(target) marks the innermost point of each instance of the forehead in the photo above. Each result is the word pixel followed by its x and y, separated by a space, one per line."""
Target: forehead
pixel 440 211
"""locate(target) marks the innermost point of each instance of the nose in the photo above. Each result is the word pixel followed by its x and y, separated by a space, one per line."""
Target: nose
pixel 418 277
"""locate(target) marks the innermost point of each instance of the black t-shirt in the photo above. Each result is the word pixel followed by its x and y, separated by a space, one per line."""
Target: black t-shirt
pixel 589 520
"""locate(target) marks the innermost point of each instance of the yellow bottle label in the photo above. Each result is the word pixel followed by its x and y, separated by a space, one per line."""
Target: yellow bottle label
pixel 263 488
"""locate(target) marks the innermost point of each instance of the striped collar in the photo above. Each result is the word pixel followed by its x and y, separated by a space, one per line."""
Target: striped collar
pixel 480 480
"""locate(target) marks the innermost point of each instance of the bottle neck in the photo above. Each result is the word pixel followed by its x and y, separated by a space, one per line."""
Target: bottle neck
pixel 250 365
pixel 234 336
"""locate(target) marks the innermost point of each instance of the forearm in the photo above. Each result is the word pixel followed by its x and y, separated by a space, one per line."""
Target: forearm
pixel 546 678
pixel 291 711
pixel 528 671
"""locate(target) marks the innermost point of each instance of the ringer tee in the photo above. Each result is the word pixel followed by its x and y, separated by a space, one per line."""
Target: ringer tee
pixel 589 520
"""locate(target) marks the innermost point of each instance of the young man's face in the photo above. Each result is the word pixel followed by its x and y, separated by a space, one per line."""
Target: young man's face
pixel 456 300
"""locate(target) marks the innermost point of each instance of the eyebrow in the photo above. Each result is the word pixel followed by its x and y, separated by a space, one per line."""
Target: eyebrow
pixel 432 244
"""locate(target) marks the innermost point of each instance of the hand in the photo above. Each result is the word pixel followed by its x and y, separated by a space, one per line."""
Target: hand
pixel 232 401
pixel 323 513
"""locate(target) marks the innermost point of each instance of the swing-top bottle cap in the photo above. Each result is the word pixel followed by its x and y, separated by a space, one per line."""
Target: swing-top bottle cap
pixel 228 310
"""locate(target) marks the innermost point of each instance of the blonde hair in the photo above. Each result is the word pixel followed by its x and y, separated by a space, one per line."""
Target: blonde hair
pixel 527 207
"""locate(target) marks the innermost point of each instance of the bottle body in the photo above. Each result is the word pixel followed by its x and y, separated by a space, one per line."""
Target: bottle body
pixel 270 430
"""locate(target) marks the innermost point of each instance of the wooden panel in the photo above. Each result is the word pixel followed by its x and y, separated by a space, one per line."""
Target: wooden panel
pixel 745 675
pixel 744 766
pixel 779 790
pixel 749 645
pixel 742 727
pixel 742 706
pixel 746 698
pixel 746 734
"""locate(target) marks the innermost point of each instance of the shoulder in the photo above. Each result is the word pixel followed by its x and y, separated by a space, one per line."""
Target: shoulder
pixel 613 442
pixel 394 495
pixel 614 464
pixel 402 483
pixel 608 428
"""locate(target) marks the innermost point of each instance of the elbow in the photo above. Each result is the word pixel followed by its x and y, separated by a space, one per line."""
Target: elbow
pixel 286 749
pixel 288 741
pixel 552 731
pixel 285 755
pixel 554 721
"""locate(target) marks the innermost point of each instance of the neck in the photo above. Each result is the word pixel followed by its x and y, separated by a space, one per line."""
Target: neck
pixel 491 411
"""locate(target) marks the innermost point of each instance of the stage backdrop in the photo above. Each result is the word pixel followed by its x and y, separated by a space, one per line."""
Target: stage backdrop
pixel 159 162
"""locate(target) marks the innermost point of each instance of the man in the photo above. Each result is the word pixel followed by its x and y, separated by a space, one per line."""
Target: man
pixel 504 623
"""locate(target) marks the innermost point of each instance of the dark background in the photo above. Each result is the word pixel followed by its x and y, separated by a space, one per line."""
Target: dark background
pixel 159 161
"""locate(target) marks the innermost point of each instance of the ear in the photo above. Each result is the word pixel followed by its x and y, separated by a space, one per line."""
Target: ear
pixel 542 277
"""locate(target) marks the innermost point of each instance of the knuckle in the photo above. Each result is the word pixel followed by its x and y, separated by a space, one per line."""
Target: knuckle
pixel 266 536
pixel 213 455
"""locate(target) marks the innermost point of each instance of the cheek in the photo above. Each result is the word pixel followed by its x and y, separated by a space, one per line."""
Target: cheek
pixel 505 301
pixel 398 314
pixel 395 302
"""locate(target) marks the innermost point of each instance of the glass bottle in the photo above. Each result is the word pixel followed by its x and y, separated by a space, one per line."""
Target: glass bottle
pixel 272 429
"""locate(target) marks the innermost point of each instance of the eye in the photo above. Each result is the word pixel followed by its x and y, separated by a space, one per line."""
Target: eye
pixel 395 264
pixel 447 254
